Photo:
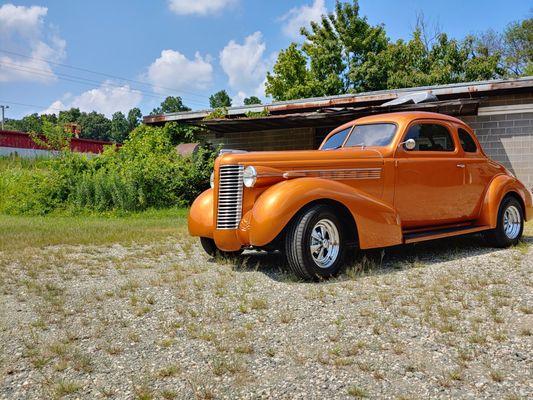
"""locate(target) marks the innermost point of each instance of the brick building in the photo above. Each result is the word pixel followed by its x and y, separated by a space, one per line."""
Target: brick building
pixel 500 111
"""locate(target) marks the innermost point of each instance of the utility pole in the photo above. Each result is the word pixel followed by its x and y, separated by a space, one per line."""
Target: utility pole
pixel 3 108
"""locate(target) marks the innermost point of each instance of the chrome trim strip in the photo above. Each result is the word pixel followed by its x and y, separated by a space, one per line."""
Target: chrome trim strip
pixel 340 174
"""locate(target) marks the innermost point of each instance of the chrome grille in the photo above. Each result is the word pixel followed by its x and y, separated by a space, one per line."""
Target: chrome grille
pixel 229 196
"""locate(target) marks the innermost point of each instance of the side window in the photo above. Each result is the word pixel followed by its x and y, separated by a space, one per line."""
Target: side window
pixel 336 141
pixel 467 143
pixel 430 137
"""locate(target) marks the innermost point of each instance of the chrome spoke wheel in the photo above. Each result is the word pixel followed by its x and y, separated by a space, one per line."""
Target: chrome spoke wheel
pixel 512 222
pixel 324 245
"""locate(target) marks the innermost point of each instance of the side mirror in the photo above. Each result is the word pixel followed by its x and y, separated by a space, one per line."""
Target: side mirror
pixel 409 144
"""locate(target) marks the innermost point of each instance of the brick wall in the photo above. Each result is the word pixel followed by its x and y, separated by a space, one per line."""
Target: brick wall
pixel 279 139
pixel 507 137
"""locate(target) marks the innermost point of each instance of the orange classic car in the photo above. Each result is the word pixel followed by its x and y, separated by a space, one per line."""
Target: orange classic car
pixel 378 181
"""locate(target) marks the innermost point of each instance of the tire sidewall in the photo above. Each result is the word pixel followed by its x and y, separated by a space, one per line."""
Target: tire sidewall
pixel 211 249
pixel 500 231
pixel 315 270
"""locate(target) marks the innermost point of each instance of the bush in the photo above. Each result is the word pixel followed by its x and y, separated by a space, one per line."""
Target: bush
pixel 146 172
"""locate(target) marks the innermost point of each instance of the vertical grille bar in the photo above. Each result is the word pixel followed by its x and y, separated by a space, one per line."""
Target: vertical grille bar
pixel 229 196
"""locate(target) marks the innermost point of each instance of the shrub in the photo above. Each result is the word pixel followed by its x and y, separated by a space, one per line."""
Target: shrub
pixel 146 172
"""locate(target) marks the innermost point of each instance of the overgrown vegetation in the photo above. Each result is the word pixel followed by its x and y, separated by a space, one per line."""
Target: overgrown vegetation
pixel 258 114
pixel 217 113
pixel 146 172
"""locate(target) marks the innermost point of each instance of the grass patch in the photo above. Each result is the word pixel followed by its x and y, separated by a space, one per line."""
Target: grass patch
pixel 18 232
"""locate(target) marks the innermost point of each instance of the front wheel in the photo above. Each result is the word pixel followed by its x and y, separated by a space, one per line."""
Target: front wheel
pixel 314 244
pixel 510 224
pixel 211 248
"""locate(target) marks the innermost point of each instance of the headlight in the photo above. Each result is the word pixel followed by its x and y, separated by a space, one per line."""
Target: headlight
pixel 249 176
pixel 212 180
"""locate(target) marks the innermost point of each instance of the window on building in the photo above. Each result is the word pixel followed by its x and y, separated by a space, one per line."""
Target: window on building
pixel 336 141
pixel 431 137
pixel 467 143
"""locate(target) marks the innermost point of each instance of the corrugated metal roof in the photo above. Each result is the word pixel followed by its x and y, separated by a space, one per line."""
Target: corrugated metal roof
pixel 332 117
pixel 444 92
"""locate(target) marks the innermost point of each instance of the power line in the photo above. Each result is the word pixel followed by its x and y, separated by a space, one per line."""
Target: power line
pixel 101 73
pixel 30 105
pixel 84 81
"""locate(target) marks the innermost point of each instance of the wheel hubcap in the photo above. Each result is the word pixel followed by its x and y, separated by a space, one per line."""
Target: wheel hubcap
pixel 512 222
pixel 324 245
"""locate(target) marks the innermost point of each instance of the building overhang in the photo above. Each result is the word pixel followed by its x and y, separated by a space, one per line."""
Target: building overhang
pixel 329 117
pixel 455 99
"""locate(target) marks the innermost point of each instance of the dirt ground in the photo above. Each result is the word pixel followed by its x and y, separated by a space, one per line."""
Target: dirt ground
pixel 161 320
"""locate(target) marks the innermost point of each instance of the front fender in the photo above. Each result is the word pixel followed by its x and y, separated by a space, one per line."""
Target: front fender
pixel 500 186
pixel 378 224
pixel 201 219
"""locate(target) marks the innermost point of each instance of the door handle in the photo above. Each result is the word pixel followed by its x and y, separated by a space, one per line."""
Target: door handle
pixel 460 165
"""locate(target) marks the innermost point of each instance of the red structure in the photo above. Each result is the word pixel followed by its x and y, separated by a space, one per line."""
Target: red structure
pixel 22 144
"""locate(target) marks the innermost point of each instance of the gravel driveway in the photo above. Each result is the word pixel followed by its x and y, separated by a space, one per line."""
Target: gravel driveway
pixel 448 319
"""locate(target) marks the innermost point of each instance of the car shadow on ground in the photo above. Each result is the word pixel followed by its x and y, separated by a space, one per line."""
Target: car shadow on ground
pixel 379 261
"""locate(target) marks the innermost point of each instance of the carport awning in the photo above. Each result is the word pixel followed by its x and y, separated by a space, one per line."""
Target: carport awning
pixel 328 117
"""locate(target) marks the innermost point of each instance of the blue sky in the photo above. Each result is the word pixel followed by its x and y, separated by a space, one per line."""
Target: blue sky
pixel 190 48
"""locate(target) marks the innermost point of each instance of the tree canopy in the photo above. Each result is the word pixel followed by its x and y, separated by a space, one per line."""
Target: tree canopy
pixel 344 53
pixel 220 99
pixel 169 105
pixel 248 101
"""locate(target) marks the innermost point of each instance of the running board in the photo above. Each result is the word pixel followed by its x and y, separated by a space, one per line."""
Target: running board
pixel 441 233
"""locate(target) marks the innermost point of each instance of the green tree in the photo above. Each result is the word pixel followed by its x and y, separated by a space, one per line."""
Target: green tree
pixel 220 99
pixel 343 53
pixel 119 127
pixel 335 57
pixel 169 105
pixel 134 118
pixel 420 63
pixel 69 116
pixel 518 48
pixel 248 101
pixel 290 78
pixel 52 136
pixel 95 126
pixel 28 123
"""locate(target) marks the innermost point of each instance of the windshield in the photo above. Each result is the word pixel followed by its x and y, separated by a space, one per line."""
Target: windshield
pixel 335 141
pixel 371 135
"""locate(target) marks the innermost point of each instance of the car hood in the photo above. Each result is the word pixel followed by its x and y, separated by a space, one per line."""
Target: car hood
pixel 308 158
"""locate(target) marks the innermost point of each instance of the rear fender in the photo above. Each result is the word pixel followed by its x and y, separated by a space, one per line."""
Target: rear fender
pixel 378 224
pixel 499 187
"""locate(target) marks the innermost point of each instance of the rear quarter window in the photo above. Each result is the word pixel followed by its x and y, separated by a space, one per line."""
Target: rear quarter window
pixel 467 142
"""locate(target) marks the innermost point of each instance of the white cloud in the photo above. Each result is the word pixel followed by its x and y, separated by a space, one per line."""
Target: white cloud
pixel 175 71
pixel 54 108
pixel 106 99
pixel 198 7
pixel 22 30
pixel 299 17
pixel 246 66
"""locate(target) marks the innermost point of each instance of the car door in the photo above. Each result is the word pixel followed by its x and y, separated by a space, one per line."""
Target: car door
pixel 429 178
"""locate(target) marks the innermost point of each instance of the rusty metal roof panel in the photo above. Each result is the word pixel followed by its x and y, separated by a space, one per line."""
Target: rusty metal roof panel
pixel 333 117
pixel 451 91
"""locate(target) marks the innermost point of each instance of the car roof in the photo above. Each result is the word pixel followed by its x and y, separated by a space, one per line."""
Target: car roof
pixel 398 117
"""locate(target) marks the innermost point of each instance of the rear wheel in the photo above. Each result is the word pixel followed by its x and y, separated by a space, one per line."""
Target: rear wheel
pixel 315 244
pixel 510 224
pixel 211 248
